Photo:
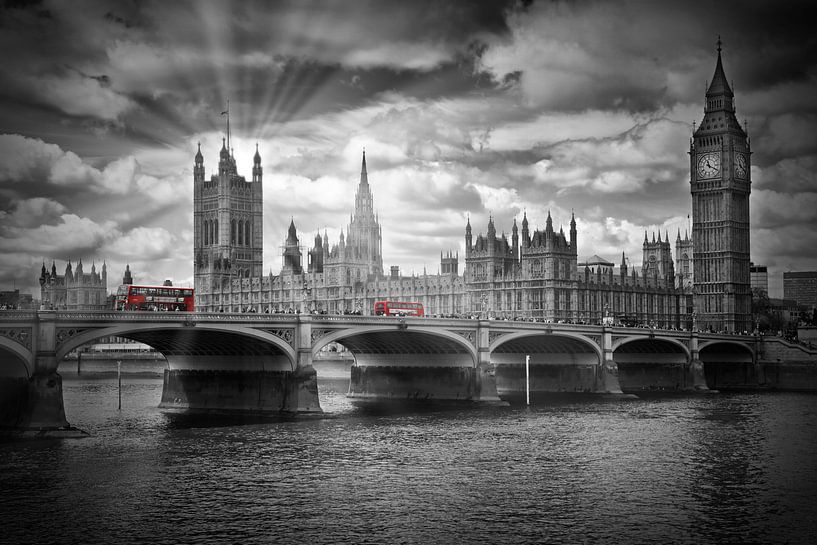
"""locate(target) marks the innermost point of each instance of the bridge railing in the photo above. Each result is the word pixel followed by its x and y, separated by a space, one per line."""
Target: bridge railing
pixel 17 315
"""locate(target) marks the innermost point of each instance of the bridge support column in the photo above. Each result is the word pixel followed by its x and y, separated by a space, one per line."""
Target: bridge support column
pixel 695 377
pixel 34 405
pixel 304 394
pixel 607 374
pixel 485 376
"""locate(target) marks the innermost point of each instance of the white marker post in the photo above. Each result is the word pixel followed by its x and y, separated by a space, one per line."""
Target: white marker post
pixel 119 376
pixel 527 379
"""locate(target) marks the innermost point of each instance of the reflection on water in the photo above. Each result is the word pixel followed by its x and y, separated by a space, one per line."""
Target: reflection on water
pixel 709 469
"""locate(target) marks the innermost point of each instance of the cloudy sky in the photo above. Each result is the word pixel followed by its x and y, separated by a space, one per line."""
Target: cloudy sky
pixel 464 108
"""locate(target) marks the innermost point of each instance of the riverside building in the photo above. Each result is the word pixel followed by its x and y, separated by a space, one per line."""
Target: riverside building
pixel 534 275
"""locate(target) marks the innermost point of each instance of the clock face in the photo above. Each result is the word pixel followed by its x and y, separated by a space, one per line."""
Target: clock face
pixel 740 166
pixel 709 165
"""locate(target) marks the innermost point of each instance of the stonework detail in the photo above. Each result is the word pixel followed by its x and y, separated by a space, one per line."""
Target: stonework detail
pixel 21 335
pixel 467 334
pixel 318 333
pixel 65 333
pixel 286 334
pixel 494 335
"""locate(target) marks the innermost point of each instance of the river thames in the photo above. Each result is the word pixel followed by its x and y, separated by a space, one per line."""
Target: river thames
pixel 727 468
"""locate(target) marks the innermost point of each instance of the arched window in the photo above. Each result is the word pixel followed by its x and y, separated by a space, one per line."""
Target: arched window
pixel 215 232
pixel 206 234
pixel 232 231
pixel 247 238
pixel 240 232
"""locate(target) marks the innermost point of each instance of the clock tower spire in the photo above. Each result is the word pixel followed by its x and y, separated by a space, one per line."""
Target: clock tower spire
pixel 720 183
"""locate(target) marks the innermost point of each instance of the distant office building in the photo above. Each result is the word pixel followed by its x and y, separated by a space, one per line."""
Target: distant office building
pixel 801 286
pixel 14 300
pixel 759 277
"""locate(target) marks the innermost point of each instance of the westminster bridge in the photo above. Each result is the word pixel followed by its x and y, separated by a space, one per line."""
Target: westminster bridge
pixel 263 363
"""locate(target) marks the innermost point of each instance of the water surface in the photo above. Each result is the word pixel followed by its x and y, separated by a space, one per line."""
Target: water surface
pixel 729 468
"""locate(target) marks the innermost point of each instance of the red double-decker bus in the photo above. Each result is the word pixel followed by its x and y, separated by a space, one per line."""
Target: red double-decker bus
pixel 153 298
pixel 395 308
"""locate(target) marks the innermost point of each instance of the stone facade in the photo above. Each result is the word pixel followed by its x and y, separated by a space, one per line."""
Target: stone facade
pixel 74 290
pixel 228 230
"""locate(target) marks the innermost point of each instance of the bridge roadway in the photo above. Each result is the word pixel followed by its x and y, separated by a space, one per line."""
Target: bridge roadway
pixel 263 363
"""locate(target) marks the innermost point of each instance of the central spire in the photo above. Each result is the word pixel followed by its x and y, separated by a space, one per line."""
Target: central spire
pixel 719 95
pixel 364 177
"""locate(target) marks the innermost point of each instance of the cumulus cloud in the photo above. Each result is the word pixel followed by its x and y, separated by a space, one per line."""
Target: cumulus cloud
pixel 32 161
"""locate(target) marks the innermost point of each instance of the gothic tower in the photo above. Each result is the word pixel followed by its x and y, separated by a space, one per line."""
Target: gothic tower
pixel 683 257
pixel 227 226
pixel 364 233
pixel 657 259
pixel 720 183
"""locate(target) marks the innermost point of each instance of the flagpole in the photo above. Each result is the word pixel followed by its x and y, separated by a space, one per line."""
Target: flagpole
pixel 229 146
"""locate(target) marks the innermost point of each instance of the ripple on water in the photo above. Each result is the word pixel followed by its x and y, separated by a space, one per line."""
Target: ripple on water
pixel 710 469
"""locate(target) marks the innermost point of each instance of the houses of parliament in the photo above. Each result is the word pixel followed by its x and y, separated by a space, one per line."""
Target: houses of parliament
pixel 536 274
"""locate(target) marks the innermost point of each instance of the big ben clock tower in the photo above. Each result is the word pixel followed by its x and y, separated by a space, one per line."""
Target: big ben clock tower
pixel 720 183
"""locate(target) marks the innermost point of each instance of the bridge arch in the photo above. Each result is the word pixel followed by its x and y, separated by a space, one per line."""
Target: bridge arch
pixel 563 339
pixel 674 345
pixel 651 364
pixel 714 346
pixel 15 359
pixel 210 345
pixel 389 342
pixel 728 364
pixel 559 362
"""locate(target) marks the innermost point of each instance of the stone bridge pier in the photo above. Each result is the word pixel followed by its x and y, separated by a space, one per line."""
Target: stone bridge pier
pixel 30 387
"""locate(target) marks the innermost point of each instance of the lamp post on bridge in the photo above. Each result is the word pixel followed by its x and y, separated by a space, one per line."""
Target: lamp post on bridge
pixel 305 292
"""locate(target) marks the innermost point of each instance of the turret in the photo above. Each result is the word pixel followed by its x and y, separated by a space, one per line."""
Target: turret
pixel 223 158
pixel 574 238
pixel 43 275
pixel 468 239
pixel 292 233
pixel 515 240
pixel 257 171
pixel 292 253
pixel 525 232
pixel 127 278
pixel 198 166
